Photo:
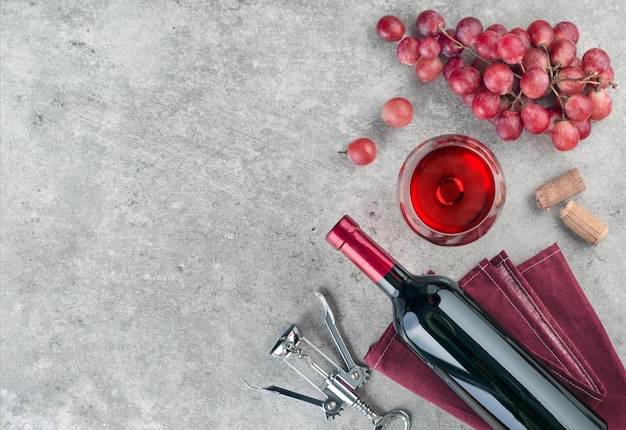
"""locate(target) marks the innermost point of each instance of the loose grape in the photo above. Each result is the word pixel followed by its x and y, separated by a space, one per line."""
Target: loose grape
pixel 390 28
pixel 397 112
pixel 407 50
pixel 498 77
pixel 429 22
pixel 565 136
pixel 361 151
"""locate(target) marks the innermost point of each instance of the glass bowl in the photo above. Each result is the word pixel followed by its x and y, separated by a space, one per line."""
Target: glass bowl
pixel 451 189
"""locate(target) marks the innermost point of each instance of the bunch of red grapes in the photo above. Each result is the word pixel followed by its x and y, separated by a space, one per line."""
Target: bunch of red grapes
pixel 529 79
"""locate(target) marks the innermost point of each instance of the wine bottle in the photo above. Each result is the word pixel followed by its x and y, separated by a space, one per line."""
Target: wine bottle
pixel 493 374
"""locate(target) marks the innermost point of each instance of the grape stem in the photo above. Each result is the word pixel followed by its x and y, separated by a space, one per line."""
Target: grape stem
pixel 559 99
pixel 553 74
pixel 472 51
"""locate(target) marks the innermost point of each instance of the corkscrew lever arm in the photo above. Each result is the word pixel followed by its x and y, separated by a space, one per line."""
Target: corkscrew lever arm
pixel 356 375
pixel 338 394
pixel 273 389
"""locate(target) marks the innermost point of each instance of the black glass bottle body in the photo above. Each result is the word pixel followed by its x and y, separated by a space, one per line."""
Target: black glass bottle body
pixel 496 377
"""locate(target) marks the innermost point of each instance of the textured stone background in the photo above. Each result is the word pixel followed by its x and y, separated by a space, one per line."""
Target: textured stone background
pixel 169 172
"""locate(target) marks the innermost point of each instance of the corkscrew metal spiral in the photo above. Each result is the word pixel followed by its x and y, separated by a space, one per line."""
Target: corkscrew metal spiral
pixel 339 386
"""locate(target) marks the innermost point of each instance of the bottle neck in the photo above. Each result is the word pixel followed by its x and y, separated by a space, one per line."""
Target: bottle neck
pixel 347 237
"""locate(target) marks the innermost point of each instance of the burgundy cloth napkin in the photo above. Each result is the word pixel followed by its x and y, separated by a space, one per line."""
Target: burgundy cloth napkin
pixel 541 304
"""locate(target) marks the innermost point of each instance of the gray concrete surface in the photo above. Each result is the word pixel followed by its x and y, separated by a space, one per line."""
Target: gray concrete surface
pixel 169 172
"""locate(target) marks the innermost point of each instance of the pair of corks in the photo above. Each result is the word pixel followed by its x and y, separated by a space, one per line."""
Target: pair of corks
pixel 578 219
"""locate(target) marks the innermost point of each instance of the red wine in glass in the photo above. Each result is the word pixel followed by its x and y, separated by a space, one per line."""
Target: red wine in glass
pixel 451 189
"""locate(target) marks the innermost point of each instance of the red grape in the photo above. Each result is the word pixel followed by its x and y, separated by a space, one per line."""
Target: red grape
pixel 565 136
pixel 397 112
pixel 487 45
pixel 595 61
pixel 361 151
pixel 390 28
pixel 606 78
pixel 566 30
pixel 570 80
pixel 535 118
pixel 511 48
pixel 601 103
pixel 556 115
pixel 578 62
pixel 429 47
pixel 541 34
pixel 479 64
pixel 584 128
pixel 498 77
pixel 522 34
pixel 464 80
pixel 429 22
pixel 486 105
pixel 468 29
pixel 452 64
pixel 534 83
pixel 468 99
pixel 498 28
pixel 578 107
pixel 509 125
pixel 505 104
pixel 449 47
pixel 562 53
pixel 407 50
pixel 535 57
pixel 428 69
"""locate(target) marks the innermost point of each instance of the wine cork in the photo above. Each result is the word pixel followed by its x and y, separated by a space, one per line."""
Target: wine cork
pixel 565 186
pixel 583 223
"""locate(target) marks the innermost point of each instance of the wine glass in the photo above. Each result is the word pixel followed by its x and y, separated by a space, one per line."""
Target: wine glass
pixel 451 189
